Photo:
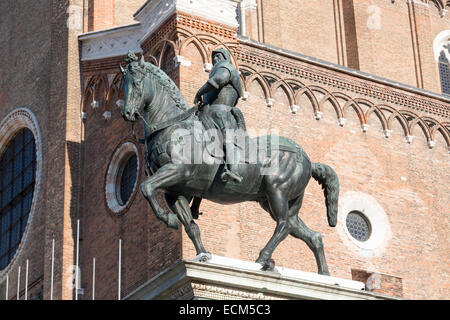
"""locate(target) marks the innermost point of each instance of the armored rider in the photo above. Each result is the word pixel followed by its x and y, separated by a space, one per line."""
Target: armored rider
pixel 222 92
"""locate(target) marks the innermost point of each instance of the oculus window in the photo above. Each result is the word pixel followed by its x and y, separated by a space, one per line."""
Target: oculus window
pixel 17 182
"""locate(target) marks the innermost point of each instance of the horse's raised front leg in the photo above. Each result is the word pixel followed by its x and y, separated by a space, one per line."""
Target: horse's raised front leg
pixel 166 176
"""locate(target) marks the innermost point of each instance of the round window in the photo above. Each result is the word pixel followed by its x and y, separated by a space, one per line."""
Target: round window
pixel 122 177
pixel 17 182
pixel 127 180
pixel 358 226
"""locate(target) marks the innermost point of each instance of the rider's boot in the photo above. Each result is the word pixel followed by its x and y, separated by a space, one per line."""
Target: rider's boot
pixel 230 175
pixel 231 163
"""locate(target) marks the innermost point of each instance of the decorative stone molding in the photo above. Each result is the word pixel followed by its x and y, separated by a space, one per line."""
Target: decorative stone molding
pixel 107 115
pixel 365 127
pixel 207 67
pixel 290 64
pixel 16 120
pixel 318 115
pixel 232 279
pixel 180 60
pixel 94 104
pixel 270 102
pixel 245 95
pixel 110 43
pixel 294 108
pixel 342 121
pixel 409 139
pixel 152 15
pixel 120 103
pixel 431 144
pixel 387 133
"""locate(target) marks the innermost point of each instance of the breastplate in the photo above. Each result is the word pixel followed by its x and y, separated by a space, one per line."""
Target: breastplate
pixel 227 95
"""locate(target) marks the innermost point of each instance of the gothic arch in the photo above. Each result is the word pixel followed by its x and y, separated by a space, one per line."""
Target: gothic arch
pixel 379 114
pixel 328 97
pixel 425 129
pixel 262 82
pixel 355 106
pixel 286 88
pixel 115 87
pixel 92 89
pixel 443 131
pixel 395 115
pixel 198 44
pixel 310 95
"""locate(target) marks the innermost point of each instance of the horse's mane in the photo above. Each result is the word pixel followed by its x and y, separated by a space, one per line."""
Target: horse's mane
pixel 163 80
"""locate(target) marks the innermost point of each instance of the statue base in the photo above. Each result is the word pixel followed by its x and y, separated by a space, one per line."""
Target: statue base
pixel 221 278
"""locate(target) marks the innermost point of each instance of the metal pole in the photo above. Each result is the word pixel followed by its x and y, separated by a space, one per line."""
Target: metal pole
pixel 93 279
pixel 18 283
pixel 76 270
pixel 120 267
pixel 7 286
pixel 26 282
pixel 53 264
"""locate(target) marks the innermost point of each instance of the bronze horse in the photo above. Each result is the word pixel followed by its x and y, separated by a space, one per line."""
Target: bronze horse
pixel 152 96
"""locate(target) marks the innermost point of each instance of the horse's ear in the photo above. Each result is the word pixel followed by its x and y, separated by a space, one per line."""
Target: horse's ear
pixel 142 60
pixel 122 70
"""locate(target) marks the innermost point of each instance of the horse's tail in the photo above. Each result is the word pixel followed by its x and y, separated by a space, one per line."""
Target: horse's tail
pixel 329 181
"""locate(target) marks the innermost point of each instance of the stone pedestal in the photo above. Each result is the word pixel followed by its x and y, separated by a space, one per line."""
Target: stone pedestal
pixel 230 279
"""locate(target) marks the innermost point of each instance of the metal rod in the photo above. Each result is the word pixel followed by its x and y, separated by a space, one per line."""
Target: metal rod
pixel 76 270
pixel 18 283
pixel 7 286
pixel 120 266
pixel 53 264
pixel 93 279
pixel 26 282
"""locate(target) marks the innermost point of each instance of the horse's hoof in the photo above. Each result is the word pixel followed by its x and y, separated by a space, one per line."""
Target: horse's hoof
pixel 205 256
pixel 269 265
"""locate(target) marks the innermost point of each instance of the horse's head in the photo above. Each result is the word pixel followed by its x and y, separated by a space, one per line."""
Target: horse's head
pixel 133 85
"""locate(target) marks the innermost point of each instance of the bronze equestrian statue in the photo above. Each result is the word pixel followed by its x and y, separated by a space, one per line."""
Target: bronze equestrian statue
pixel 276 180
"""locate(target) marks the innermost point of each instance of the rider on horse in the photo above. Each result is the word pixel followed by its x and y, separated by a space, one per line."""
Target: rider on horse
pixel 222 92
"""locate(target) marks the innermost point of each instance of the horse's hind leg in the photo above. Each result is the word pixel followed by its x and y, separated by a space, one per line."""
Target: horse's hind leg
pixel 181 208
pixel 311 238
pixel 279 211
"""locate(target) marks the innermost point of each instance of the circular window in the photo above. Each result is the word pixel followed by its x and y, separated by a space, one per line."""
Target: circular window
pixel 358 226
pixel 363 223
pixel 17 177
pixel 122 176
pixel 127 180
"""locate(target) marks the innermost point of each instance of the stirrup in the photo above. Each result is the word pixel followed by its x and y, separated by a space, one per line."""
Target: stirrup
pixel 227 175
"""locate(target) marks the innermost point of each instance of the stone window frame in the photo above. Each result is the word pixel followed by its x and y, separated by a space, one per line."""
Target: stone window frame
pixel 112 182
pixel 367 205
pixel 15 121
pixel 441 50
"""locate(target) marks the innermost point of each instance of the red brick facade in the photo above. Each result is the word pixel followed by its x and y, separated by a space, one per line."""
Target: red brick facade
pixel 321 62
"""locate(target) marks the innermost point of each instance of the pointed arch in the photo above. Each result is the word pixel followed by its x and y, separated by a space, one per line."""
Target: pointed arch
pixel 395 115
pixel 442 130
pixel 355 106
pixel 286 88
pixel 311 97
pixel 423 126
pixel 115 88
pixel 379 114
pixel 198 44
pixel 328 96
pixel 262 82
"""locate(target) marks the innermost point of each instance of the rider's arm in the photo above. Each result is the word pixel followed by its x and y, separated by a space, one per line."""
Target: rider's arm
pixel 220 79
